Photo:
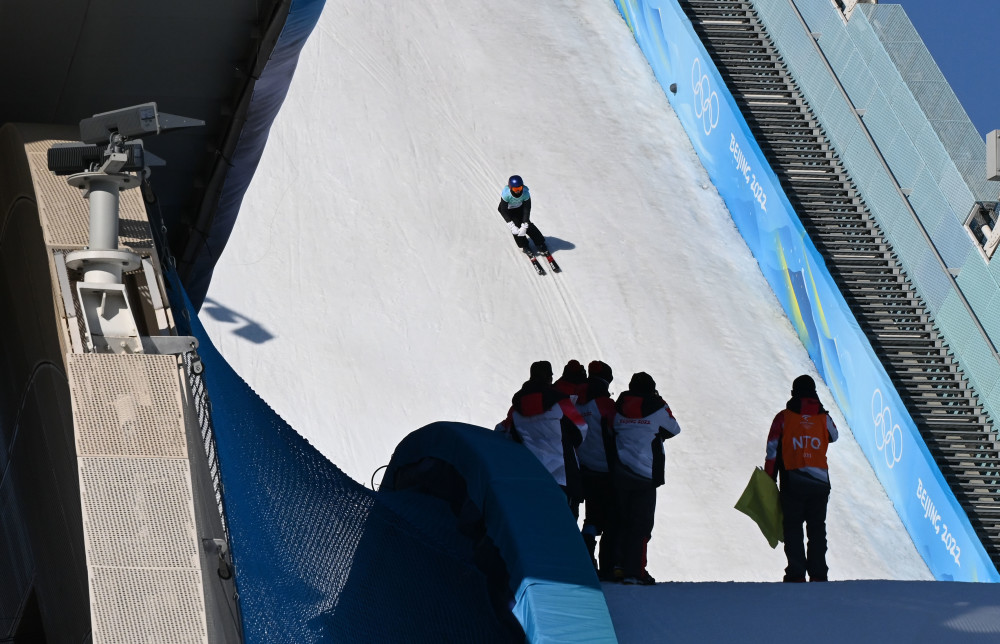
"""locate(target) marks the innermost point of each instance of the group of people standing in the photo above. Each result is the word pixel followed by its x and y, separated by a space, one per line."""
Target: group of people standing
pixel 608 455
pixel 605 454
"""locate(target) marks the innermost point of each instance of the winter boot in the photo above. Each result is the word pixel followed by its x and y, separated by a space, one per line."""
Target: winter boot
pixel 643 579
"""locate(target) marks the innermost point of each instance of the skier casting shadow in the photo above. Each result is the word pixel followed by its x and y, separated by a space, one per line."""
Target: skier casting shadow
pixel 515 208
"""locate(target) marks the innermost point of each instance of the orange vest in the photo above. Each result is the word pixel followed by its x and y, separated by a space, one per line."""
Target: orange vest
pixel 804 441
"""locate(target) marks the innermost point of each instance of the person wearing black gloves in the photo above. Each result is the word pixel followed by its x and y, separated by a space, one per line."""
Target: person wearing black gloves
pixel 515 208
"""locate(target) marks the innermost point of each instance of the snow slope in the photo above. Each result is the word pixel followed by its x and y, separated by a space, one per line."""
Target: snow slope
pixel 370 287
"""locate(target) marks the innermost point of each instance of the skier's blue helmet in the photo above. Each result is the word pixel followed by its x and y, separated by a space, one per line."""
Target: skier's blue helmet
pixel 515 182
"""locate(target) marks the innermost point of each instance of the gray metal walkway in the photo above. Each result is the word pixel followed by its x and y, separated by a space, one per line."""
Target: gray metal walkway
pixel 954 425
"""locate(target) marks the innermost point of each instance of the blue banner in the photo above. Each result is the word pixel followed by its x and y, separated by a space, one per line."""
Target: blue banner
pixel 797 273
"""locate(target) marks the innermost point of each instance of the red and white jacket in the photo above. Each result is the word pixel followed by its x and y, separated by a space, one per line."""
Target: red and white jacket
pixel 538 417
pixel 641 425
pixel 598 410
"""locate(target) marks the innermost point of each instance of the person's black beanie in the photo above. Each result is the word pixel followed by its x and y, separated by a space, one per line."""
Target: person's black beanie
pixel 600 370
pixel 541 371
pixel 574 372
pixel 804 387
pixel 642 384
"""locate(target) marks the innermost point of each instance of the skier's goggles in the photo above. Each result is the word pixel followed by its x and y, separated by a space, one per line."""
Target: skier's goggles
pixel 517 189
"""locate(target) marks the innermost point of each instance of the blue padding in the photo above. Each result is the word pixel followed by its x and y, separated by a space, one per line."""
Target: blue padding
pixel 557 612
pixel 558 597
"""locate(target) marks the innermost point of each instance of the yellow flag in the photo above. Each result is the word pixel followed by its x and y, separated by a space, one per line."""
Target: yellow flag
pixel 761 503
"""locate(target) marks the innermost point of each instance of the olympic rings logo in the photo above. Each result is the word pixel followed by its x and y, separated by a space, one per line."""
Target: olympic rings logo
pixel 706 101
pixel 888 435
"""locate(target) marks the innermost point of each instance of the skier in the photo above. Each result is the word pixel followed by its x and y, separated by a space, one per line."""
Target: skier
pixel 796 450
pixel 542 419
pixel 515 208
pixel 598 409
pixel 642 422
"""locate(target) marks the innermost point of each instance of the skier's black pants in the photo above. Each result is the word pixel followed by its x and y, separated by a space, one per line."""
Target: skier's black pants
pixel 535 235
pixel 600 519
pixel 636 509
pixel 804 500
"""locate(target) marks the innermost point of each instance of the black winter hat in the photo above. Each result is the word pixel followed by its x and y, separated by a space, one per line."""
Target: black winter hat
pixel 600 370
pixel 574 372
pixel 541 371
pixel 804 387
pixel 642 384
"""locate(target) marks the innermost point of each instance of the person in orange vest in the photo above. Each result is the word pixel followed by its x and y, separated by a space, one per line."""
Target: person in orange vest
pixel 796 451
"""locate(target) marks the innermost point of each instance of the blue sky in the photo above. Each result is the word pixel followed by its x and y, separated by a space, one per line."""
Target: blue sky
pixel 962 37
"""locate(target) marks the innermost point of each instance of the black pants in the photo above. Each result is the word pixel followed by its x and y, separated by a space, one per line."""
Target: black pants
pixel 600 518
pixel 804 500
pixel 535 235
pixel 574 502
pixel 636 510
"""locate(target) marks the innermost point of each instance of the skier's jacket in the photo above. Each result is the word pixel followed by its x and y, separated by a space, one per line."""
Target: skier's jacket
pixel 515 209
pixel 641 425
pixel 543 419
pixel 798 439
pixel 598 410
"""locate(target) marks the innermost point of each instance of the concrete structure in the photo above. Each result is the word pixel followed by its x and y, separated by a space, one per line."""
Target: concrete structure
pixel 110 517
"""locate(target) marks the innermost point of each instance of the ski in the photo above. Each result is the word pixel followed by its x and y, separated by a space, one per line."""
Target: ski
pixel 538 267
pixel 552 263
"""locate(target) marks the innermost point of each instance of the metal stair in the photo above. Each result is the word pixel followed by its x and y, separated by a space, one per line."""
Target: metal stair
pixel 955 427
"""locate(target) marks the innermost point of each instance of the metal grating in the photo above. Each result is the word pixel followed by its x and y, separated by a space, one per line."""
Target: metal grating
pixel 131 606
pixel 127 405
pixel 137 513
pixel 136 496
pixel 955 428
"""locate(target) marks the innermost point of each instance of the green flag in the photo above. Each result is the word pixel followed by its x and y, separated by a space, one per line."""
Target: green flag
pixel 761 503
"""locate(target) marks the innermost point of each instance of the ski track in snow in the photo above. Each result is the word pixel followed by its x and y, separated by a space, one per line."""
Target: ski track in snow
pixel 369 246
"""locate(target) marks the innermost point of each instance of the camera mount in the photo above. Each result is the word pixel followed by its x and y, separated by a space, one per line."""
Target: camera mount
pixel 103 163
